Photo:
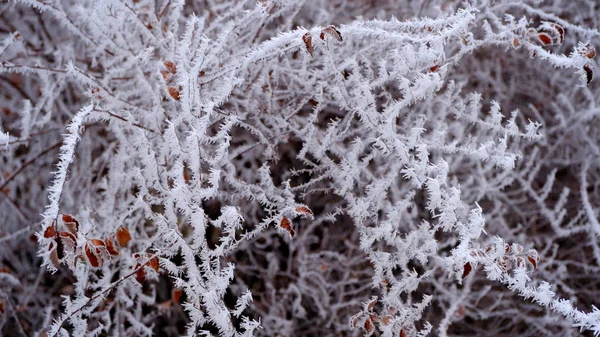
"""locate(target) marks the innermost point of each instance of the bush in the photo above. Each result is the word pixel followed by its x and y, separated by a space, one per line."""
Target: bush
pixel 214 168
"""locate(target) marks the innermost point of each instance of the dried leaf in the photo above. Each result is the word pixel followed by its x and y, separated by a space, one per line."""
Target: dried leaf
pixel 331 30
pixel 71 223
pixel 53 255
pixel 154 263
pixel 98 243
pixel 589 51
pixel 307 38
pixel 174 93
pixel 50 232
pixel 111 248
pixel 561 32
pixel 123 236
pixel 402 333
pixel 176 295
pixel 68 241
pixel 589 72
pixel 369 325
pixel 140 274
pixel 305 212
pixel 533 262
pixel 544 38
pixel 171 67
pixel 372 303
pixel 93 255
pixel 467 270
pixel 287 225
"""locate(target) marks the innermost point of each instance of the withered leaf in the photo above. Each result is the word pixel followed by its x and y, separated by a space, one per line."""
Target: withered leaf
pixel 307 38
pixel 287 225
pixel 123 236
pixel 467 269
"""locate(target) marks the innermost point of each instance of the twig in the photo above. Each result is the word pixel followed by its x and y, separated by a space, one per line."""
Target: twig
pixel 29 162
pixel 101 293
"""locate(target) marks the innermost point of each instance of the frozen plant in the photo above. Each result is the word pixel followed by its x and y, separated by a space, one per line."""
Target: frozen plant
pixel 298 168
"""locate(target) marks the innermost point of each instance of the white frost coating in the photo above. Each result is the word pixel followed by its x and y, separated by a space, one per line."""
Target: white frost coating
pixel 67 152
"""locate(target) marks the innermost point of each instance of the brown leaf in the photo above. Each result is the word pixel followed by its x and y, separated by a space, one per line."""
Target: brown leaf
pixel 123 236
pixel 98 243
pixel 154 263
pixel 140 275
pixel 50 232
pixel 561 32
pixel 544 39
pixel 402 333
pixel 589 72
pixel 305 212
pixel 111 248
pixel 434 68
pixel 53 255
pixel 176 295
pixel 589 51
pixel 60 249
pixel 369 325
pixel 307 38
pixel 287 225
pixel 171 67
pixel 174 93
pixel 467 270
pixel 67 242
pixel 371 304
pixel 93 256
pixel 331 30
pixel 533 262
pixel 71 223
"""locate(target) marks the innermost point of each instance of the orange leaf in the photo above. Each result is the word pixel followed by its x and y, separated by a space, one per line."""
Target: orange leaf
pixel 305 211
pixel 140 275
pixel 287 225
pixel 71 223
pixel 92 255
pixel 98 243
pixel 49 232
pixel 171 67
pixel 123 236
pixel 176 295
pixel 544 38
pixel 174 93
pixel 110 246
pixel 154 263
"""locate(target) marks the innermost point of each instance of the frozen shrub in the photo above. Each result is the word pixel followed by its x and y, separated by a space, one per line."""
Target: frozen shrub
pixel 289 168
